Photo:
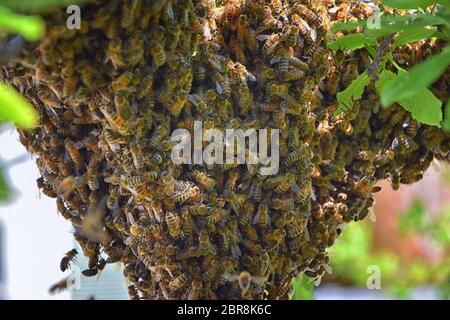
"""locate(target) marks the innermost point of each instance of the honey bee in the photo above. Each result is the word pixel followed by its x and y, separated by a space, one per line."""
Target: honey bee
pixel 115 120
pixel 92 173
pixel 146 87
pixel 215 215
pixel 282 204
pixel 291 36
pixel 61 285
pixel 196 290
pixel 158 53
pixel 69 184
pixel 222 85
pixel 122 81
pixel 271 42
pixel 133 293
pixel 46 190
pixel 245 280
pixel 114 54
pixel 205 181
pixel 173 224
pixel 262 217
pixel 205 246
pixel 349 74
pixel 179 282
pixel 67 259
pixel 74 152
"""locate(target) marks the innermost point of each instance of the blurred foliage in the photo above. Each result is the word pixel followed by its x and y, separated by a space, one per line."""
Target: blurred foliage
pixel 353 253
pixel 303 288
pixel 30 27
pixel 407 88
pixel 14 108
pixel 34 6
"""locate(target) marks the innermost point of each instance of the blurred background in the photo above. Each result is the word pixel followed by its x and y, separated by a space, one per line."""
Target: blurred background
pixel 407 240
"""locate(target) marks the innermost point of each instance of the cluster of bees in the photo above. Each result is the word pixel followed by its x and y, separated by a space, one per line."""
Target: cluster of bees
pixel 110 94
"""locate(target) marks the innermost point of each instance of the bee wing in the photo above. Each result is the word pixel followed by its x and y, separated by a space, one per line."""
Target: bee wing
pixel 275 59
pixel 333 10
pixel 130 218
pixel 295 188
pixel 219 88
pixel 251 76
pixel 259 280
pixel 236 251
pixel 306 234
pixel 256 217
pixel 328 269
pixel 231 277
pixel 372 215
pixel 170 11
pixel 192 100
pixel 262 37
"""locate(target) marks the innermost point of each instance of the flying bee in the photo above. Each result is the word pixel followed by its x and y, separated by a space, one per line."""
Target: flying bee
pixel 245 280
pixel 67 259
pixel 69 184
pixel 61 285
pixel 262 217
pixel 158 53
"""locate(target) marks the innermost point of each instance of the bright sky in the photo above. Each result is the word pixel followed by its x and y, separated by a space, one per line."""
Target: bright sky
pixel 36 236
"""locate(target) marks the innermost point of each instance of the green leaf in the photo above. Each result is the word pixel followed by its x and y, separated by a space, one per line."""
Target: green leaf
pixel 14 108
pixel 446 121
pixel 37 5
pixel 413 35
pixel 411 4
pixel 419 77
pixel 5 191
pixel 384 77
pixel 303 288
pixel 351 42
pixel 352 93
pixel 424 106
pixel 30 27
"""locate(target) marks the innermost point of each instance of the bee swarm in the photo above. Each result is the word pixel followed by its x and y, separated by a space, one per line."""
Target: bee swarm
pixel 110 94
